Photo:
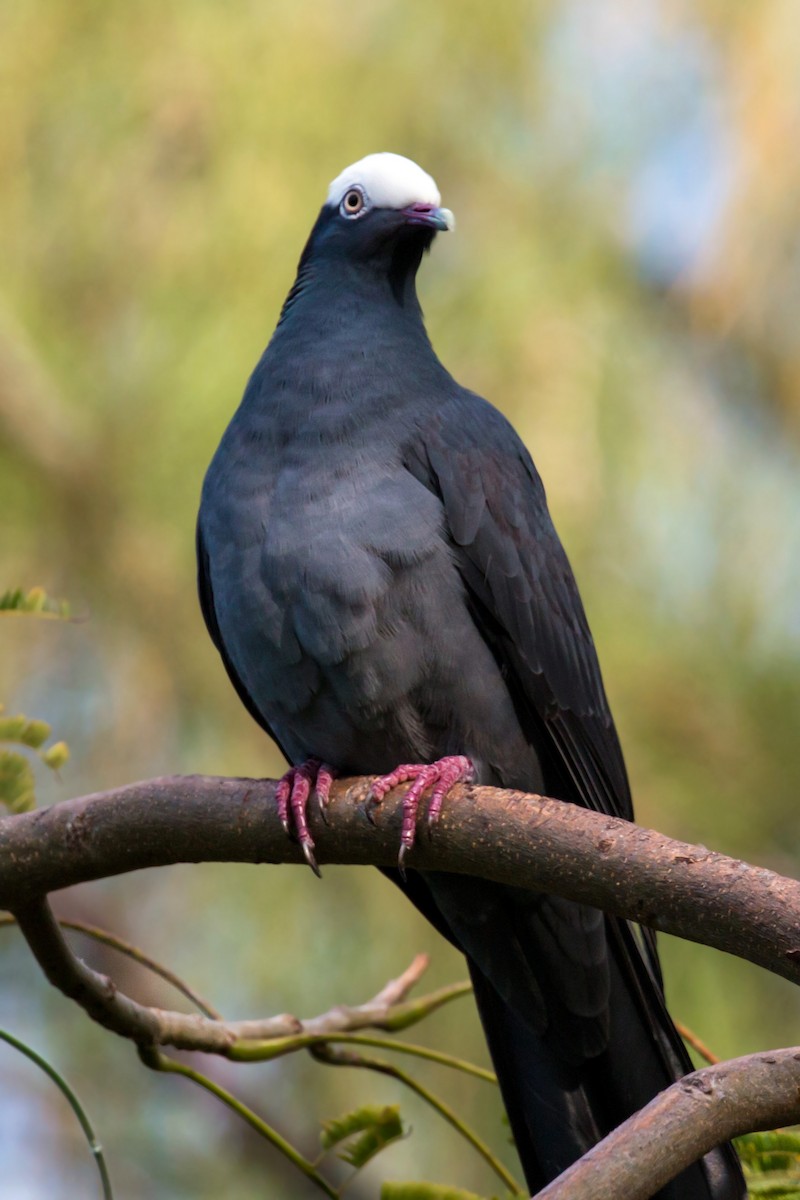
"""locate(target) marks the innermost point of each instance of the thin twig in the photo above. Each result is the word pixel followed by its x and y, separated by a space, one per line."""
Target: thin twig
pixel 346 1058
pixel 75 1105
pixel 127 948
pixel 255 1040
pixel 424 1052
pixel 266 1051
pixel 691 1039
pixel 161 1062
pixel 345 1019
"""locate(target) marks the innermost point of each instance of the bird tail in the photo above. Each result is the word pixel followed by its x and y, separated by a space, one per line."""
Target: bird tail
pixel 558 1110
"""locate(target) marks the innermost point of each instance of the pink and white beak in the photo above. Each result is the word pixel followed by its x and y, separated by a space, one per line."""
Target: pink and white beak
pixel 430 216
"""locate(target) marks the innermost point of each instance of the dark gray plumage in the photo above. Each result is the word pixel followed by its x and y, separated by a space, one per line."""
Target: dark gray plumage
pixel 380 574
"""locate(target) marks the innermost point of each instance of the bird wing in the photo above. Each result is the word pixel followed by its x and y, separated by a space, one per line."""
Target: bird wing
pixel 523 596
pixel 206 594
pixel 525 601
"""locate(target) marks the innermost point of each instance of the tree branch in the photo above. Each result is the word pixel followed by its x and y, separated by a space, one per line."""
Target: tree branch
pixel 528 841
pixel 743 1095
pixel 243 1040
pixel 136 955
pixel 505 836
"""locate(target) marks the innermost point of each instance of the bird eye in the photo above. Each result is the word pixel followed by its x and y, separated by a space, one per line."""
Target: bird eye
pixel 353 203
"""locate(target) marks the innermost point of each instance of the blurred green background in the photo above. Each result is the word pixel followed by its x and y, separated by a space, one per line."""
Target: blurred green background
pixel 624 283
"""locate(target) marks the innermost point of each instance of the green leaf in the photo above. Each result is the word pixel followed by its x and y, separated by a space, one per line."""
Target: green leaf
pixel 770 1151
pixel 424 1191
pixel 35 601
pixel 12 601
pixel 771 1162
pixel 787 1140
pixel 17 786
pixel 375 1129
pixel 55 756
pixel 775 1187
pixel 24 730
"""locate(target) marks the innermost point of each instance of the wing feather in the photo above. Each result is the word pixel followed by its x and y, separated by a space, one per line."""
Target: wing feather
pixel 524 594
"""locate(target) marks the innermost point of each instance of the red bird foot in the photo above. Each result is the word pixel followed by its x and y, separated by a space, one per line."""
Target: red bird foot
pixel 440 775
pixel 291 796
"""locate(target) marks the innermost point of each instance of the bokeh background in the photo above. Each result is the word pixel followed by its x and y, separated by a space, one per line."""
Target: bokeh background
pixel 624 283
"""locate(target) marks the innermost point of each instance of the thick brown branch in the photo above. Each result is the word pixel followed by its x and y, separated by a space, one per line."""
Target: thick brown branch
pixel 506 836
pixel 759 1091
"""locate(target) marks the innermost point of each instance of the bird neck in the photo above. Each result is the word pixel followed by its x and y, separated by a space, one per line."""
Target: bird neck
pixel 347 351
pixel 350 345
pixel 332 291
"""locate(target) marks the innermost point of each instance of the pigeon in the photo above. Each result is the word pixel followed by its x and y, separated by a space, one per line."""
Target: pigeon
pixel 380 574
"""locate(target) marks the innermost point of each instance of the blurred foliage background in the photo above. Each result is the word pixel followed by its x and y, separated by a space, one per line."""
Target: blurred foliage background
pixel 624 283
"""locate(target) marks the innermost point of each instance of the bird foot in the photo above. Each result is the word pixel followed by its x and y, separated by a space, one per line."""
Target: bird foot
pixel 440 775
pixel 291 797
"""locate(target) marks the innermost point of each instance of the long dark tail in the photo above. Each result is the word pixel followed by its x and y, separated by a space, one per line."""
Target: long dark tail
pixel 538 968
pixel 558 1110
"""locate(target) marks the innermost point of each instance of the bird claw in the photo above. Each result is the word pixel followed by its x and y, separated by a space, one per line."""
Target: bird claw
pixel 291 798
pixel 308 855
pixel 441 775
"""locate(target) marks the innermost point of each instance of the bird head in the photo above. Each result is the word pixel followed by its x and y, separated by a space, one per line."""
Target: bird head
pixel 383 196
pixel 377 204
pixel 380 215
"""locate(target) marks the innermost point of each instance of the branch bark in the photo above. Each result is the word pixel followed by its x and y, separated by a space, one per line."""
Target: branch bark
pixel 684 1122
pixel 510 837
